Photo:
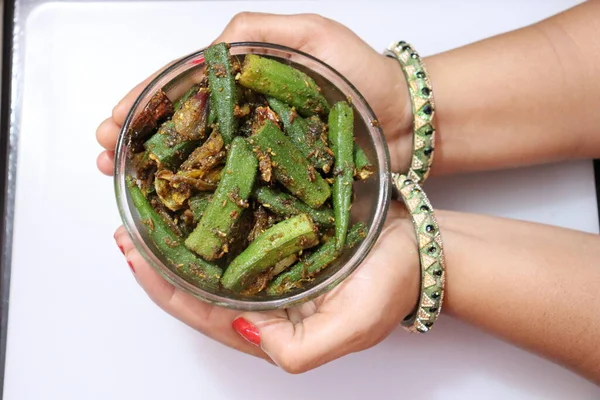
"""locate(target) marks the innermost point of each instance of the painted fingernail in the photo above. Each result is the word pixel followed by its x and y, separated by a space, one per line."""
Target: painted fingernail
pixel 246 330
pixel 122 249
pixel 131 266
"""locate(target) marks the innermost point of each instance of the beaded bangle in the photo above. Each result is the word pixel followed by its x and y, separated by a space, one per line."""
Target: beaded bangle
pixel 421 95
pixel 431 255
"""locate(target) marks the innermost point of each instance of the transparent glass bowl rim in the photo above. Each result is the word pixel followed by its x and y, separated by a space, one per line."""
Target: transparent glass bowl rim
pixel 383 197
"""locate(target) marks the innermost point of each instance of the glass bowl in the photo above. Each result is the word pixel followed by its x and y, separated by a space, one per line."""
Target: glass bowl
pixel 371 197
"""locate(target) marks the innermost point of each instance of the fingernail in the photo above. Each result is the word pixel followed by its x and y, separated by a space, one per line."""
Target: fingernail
pixel 246 330
pixel 131 266
pixel 122 249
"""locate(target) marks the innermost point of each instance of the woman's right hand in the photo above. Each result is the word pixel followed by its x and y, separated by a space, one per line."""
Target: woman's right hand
pixel 378 78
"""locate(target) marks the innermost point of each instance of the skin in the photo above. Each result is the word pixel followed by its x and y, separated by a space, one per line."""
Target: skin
pixel 530 284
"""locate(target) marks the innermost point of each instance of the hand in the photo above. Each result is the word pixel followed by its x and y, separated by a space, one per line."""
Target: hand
pixel 371 302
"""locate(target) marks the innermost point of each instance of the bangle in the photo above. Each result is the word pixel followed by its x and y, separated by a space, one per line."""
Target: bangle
pixel 431 255
pixel 421 96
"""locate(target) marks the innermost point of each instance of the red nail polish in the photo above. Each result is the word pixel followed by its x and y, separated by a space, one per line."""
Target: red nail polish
pixel 246 330
pixel 122 249
pixel 131 266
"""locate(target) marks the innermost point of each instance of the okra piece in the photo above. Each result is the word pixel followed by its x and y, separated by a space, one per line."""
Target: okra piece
pixel 198 205
pixel 187 265
pixel 307 269
pixel 189 93
pixel 363 168
pixel 158 109
pixel 341 138
pixel 287 205
pixel 177 138
pixel 207 155
pixel 210 239
pixel 223 91
pixel 290 167
pixel 191 119
pixel 284 83
pixel 297 128
pixel 165 148
pixel 273 245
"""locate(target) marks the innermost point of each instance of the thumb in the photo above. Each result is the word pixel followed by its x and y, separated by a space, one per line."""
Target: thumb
pixel 289 30
pixel 297 342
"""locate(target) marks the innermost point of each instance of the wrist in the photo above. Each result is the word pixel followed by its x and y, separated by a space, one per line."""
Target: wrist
pixel 396 115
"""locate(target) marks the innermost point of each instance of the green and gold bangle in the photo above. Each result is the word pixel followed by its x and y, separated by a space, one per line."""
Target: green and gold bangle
pixel 423 108
pixel 431 255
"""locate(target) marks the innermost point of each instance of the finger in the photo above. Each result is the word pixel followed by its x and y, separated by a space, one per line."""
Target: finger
pixel 288 30
pixel 106 162
pixel 347 321
pixel 120 111
pixel 214 322
pixel 107 134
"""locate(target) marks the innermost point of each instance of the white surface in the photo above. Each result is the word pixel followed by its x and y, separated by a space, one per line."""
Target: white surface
pixel 81 328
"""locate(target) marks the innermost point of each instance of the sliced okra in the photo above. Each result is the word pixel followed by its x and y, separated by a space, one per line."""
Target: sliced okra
pixel 306 270
pixel 283 82
pixel 363 168
pixel 206 156
pixel 198 205
pixel 210 239
pixel 273 245
pixel 177 138
pixel 312 146
pixel 290 167
pixel 341 138
pixel 287 205
pixel 223 90
pixel 186 264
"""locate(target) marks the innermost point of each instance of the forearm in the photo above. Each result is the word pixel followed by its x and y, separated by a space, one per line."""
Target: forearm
pixel 526 97
pixel 533 285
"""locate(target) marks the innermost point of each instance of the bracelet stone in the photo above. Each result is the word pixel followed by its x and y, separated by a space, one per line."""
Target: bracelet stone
pixel 431 254
pixel 423 108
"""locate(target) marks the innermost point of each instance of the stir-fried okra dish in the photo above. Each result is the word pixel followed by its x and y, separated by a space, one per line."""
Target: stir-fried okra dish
pixel 245 182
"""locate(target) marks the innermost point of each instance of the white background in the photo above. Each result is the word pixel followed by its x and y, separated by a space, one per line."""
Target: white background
pixel 81 328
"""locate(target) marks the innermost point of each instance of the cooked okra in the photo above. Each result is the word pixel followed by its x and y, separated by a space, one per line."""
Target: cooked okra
pixel 312 145
pixel 223 91
pixel 290 168
pixel 285 83
pixel 310 266
pixel 210 239
pixel 191 267
pixel 341 137
pixel 245 181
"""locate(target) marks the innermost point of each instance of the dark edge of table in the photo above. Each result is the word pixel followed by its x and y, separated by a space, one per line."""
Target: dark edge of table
pixel 5 232
pixel 6 225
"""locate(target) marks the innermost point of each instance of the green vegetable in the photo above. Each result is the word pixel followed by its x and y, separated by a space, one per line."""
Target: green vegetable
pixel 273 245
pixel 191 268
pixel 177 138
pixel 308 268
pixel 198 205
pixel 287 205
pixel 210 238
pixel 165 148
pixel 283 82
pixel 362 165
pixel 223 91
pixel 311 145
pixel 341 137
pixel 290 167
